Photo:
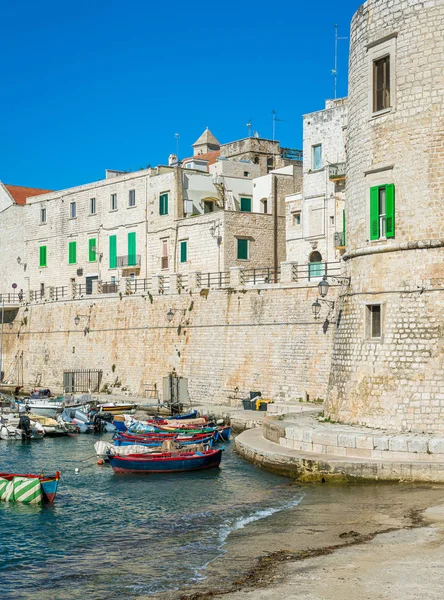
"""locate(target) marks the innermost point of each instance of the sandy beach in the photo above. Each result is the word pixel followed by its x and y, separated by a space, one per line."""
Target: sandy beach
pixel 340 542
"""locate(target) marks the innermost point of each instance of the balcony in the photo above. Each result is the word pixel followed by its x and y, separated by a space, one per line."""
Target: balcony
pixel 126 262
pixel 336 172
pixel 339 239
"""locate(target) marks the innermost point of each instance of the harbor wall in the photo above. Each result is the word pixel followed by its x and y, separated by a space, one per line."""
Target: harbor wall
pixel 251 339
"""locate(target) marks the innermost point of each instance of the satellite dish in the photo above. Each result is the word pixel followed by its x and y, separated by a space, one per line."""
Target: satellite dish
pixel 14 285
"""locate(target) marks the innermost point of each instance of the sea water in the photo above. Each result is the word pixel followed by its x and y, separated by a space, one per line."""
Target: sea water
pixel 124 536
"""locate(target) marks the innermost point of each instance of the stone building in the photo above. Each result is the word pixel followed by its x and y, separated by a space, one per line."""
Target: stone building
pixel 314 217
pixel 388 356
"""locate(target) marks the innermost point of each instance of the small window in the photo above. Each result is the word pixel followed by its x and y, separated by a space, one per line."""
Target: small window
pixel 265 205
pixel 208 206
pixel 92 206
pixel 256 160
pixel 374 321
pixel 381 84
pixel 242 249
pixel 245 204
pixel 183 251
pixel 113 202
pixel 73 210
pixel 164 258
pixel 43 215
pixel 246 173
pixel 270 164
pixel 43 256
pixel 332 220
pixel 163 204
pixel 297 218
pixel 132 198
pixel 317 157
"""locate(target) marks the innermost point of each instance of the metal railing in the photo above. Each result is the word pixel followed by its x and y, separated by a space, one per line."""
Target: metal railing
pixel 13 298
pixel 214 280
pixel 140 285
pixel 108 287
pixel 314 271
pixel 126 262
pixel 57 293
pixel 263 275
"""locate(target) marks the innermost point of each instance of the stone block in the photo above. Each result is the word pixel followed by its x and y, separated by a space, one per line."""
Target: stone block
pixel 347 440
pixel 436 445
pixel 318 448
pixel 365 442
pixel 336 451
pixel 381 443
pixel 307 446
pixel 307 435
pixel 418 445
pixel 325 437
pixel 294 433
pixel 359 452
pixel 398 443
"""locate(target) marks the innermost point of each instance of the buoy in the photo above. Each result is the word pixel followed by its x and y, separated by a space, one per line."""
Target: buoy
pixel 100 461
pixel 76 470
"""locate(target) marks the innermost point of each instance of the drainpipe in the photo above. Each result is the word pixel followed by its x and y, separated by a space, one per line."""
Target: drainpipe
pixel 275 227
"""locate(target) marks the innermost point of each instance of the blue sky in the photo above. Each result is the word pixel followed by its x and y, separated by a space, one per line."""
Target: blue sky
pixel 92 85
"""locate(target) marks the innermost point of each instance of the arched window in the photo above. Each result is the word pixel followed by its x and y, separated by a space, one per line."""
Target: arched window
pixel 256 160
pixel 315 265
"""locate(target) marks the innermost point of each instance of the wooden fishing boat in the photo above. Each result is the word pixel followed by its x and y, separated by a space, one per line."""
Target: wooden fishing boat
pixel 156 443
pixel 121 407
pixel 166 462
pixel 153 437
pixel 23 492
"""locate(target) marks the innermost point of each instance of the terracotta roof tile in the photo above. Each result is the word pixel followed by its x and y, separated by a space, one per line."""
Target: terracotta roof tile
pixel 211 157
pixel 20 193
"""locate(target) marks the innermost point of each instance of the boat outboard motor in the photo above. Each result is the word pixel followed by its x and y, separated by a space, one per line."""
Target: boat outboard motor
pixel 25 425
pixel 100 420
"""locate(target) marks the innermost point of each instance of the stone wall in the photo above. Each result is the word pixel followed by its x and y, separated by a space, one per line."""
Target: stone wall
pixel 396 380
pixel 253 339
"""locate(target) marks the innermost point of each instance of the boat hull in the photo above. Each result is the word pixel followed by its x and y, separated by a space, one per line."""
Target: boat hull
pixel 48 485
pixel 172 464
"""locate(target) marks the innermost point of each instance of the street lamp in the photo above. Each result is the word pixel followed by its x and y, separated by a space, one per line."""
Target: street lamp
pixel 323 287
pixel 316 308
pixel 77 319
pixel 170 315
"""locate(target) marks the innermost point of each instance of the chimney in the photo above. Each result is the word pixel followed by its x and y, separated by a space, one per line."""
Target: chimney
pixel 172 160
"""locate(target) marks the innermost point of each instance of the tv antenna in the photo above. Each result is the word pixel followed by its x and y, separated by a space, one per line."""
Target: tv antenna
pixel 177 136
pixel 335 70
pixel 275 120
pixel 249 127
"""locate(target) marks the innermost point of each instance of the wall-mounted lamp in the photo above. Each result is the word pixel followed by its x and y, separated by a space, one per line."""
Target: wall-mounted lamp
pixel 77 321
pixel 324 286
pixel 170 313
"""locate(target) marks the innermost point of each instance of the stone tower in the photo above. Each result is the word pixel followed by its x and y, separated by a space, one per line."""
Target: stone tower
pixel 388 361
pixel 206 143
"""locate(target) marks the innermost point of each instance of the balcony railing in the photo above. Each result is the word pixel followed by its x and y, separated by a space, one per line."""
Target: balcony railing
pixel 336 171
pixel 339 239
pixel 126 262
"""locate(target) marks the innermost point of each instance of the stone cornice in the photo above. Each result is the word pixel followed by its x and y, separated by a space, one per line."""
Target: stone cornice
pixel 415 245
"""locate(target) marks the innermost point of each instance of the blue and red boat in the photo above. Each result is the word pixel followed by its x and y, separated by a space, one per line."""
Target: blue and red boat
pixel 166 462
pixel 48 484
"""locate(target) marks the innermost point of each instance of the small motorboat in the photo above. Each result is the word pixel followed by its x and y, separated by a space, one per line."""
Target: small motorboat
pixel 28 489
pixel 44 408
pixel 166 462
pixel 117 408
pixel 79 418
pixel 20 428
pixel 53 427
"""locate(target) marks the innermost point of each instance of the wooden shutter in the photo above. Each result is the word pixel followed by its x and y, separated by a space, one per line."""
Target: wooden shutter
pixel 132 249
pixel 374 213
pixel 91 252
pixel 242 249
pixel 245 204
pixel 112 251
pixel 390 211
pixel 43 256
pixel 183 252
pixel 72 253
pixel 163 204
pixel 343 228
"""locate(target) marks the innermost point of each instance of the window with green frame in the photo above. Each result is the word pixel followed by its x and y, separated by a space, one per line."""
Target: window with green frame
pixel 92 250
pixel 112 251
pixel 242 249
pixel 43 256
pixel 245 204
pixel 382 212
pixel 132 259
pixel 72 253
pixel 163 204
pixel 183 251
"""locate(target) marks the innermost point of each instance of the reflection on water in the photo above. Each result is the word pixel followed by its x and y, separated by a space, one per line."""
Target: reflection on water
pixel 124 536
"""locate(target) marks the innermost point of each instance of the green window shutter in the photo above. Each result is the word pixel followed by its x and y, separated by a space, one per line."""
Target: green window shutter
pixel 43 256
pixel 163 204
pixel 245 204
pixel 242 249
pixel 112 251
pixel 183 252
pixel 390 211
pixel 343 227
pixel 374 213
pixel 91 252
pixel 132 249
pixel 72 253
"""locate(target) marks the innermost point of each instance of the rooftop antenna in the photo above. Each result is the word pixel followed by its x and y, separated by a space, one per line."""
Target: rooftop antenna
pixel 275 120
pixel 249 127
pixel 177 136
pixel 335 70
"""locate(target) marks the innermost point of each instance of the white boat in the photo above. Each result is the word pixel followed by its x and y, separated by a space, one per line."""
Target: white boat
pixel 43 408
pixel 53 427
pixel 10 430
pixel 77 417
